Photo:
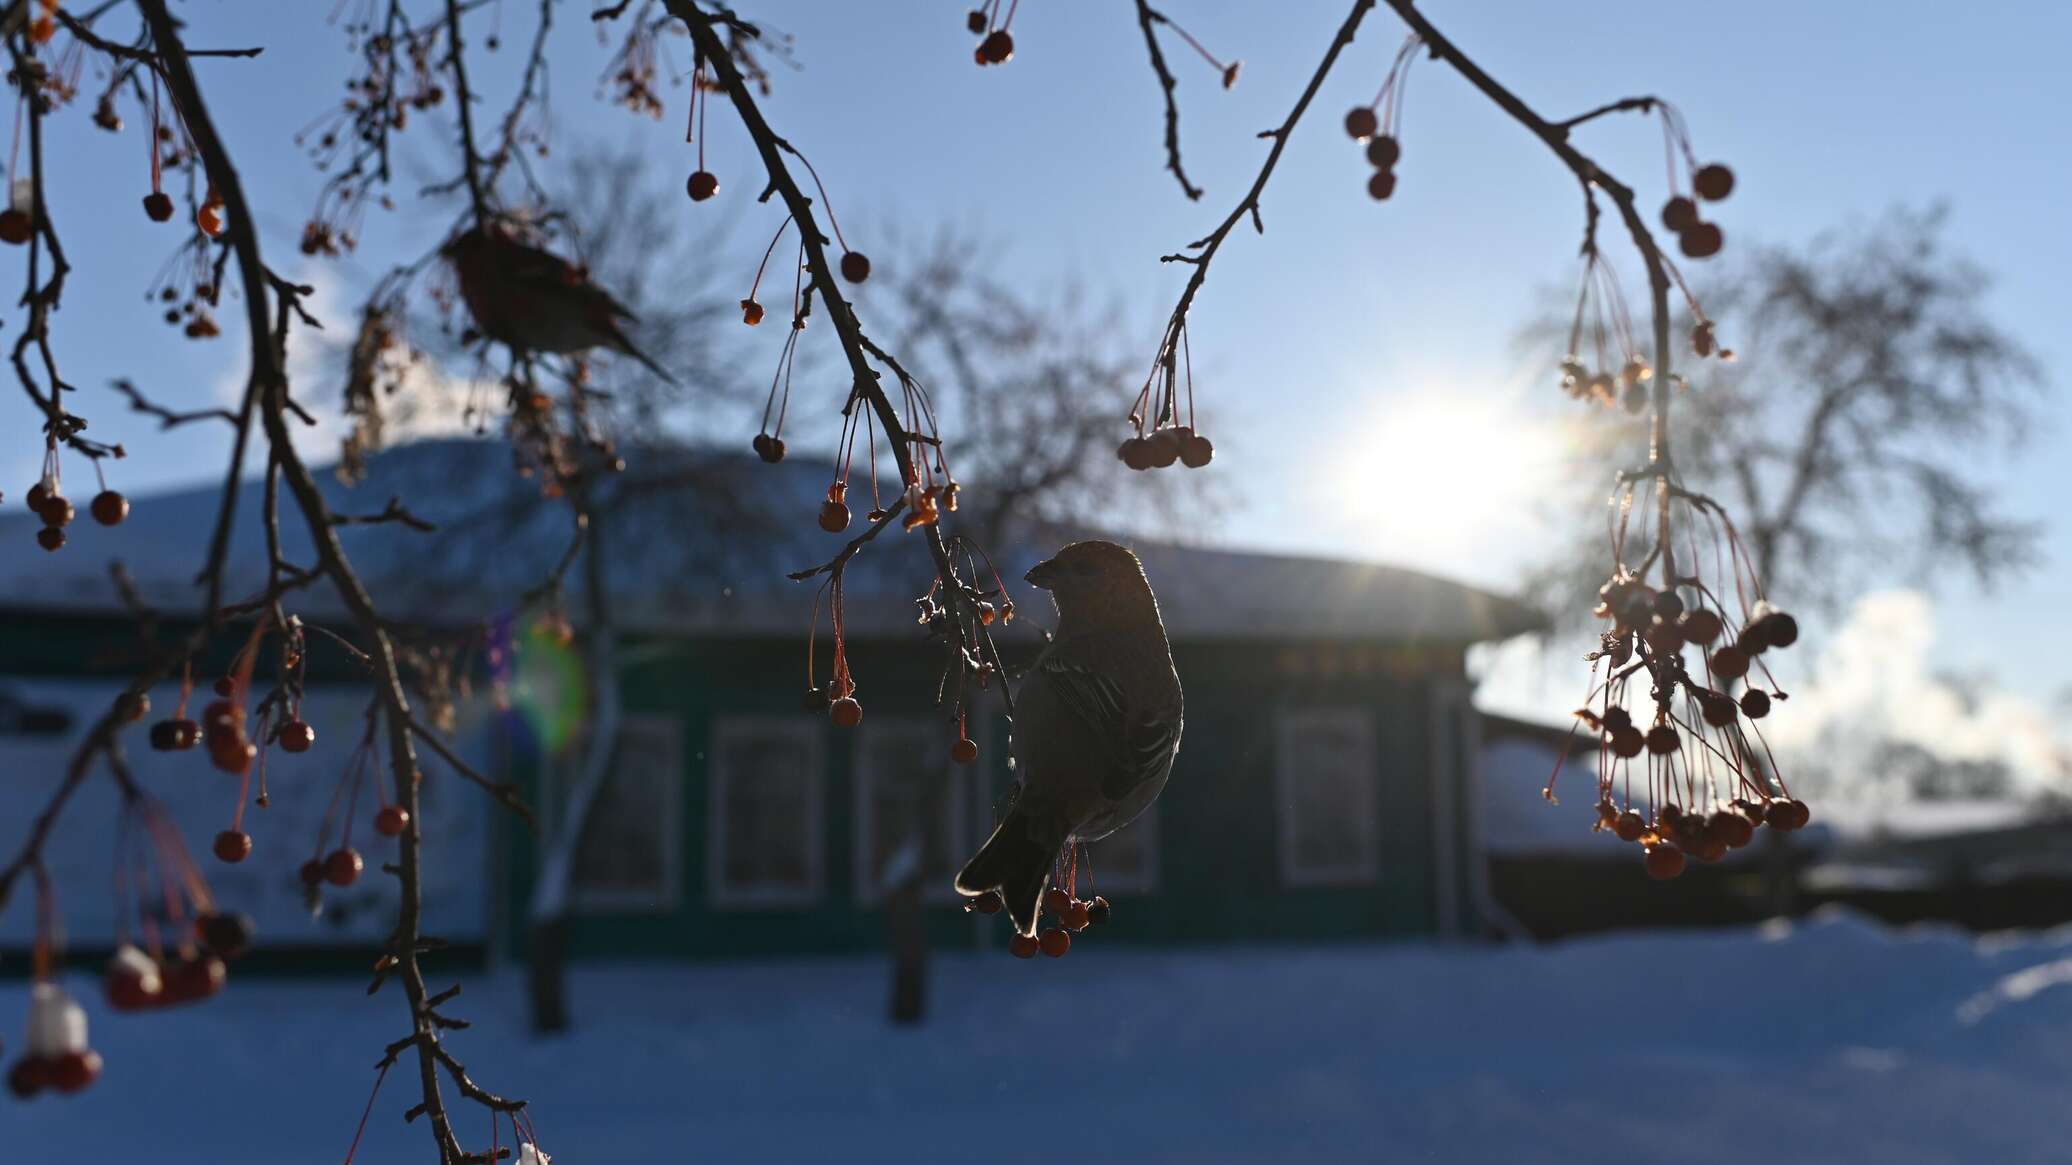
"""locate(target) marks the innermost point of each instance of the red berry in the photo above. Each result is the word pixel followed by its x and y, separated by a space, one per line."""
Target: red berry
pixel 133 987
pixel 975 21
pixel 1713 182
pixel 856 267
pixel 1627 741
pixel 1383 151
pixel 1075 917
pixel 1755 703
pixel 1730 662
pixel 987 904
pixel 57 510
pixel 174 735
pixel 391 819
pixel 1055 942
pixel 845 712
pixel 751 312
pixel 72 1071
pixel 226 687
pixel 1779 629
pixel 343 867
pixel 1700 626
pixel 1381 185
pixel 1710 849
pixel 997 48
pixel 31 1074
pixel 15 226
pixel 159 205
pixel 701 186
pixel 109 508
pixel 1629 826
pixel 1135 453
pixel 194 977
pixel 1662 739
pixel 1786 814
pixel 1663 862
pixel 1702 240
pixel 770 449
pixel 224 933
pixel 233 846
pixel 297 736
pixel 312 872
pixel 964 751
pixel 1195 450
pixel 1023 946
pixel 1097 911
pixel 1056 901
pixel 1717 708
pixel 1679 213
pixel 834 517
pixel 1361 123
pixel 1731 828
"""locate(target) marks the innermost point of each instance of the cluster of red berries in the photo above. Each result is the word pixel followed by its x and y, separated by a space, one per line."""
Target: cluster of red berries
pixel 1069 916
pixel 57 1056
pixel 137 981
pixel 1164 446
pixel 996 45
pixel 1697 238
pixel 46 500
pixel 1378 125
pixel 837 699
pixel 45 26
pixel 1603 327
pixel 1677 834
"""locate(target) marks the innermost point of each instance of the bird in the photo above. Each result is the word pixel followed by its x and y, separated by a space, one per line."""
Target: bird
pixel 534 300
pixel 1097 717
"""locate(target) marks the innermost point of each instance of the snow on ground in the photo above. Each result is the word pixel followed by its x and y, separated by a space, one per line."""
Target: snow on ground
pixel 1829 1041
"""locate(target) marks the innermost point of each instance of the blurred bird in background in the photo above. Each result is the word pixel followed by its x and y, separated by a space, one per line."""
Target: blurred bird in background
pixel 1097 721
pixel 536 301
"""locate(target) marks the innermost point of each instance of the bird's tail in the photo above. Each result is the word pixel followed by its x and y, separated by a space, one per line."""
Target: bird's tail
pixel 1016 861
pixel 620 343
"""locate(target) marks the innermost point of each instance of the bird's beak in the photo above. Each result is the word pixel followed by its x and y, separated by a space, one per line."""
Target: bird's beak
pixel 1040 574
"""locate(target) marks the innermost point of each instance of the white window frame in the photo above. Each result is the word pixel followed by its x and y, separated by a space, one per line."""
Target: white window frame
pixel 867 890
pixel 1144 881
pixel 1289 726
pixel 668 729
pixel 725 731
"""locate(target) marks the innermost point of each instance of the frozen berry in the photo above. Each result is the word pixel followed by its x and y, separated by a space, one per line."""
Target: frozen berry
pixel 1699 626
pixel 1679 213
pixel 194 977
pixel 1023 946
pixel 15 226
pixel 1787 814
pixel 1710 849
pixel 226 933
pixel 1662 740
pixel 31 1074
pixel 57 510
pixel 1755 703
pixel 997 48
pixel 1383 151
pixel 312 872
pixel 225 686
pixel 210 219
pixel 1381 185
pixel 133 982
pixel 1717 708
pixel 1730 662
pixel 297 736
pixel 1135 453
pixel 1615 718
pixel 1163 448
pixel 109 508
pixel 856 267
pixel 1361 123
pixel 702 185
pixel 73 1071
pixel 389 820
pixel 1056 941
pixel 233 845
pixel 1713 182
pixel 845 712
pixel 1098 911
pixel 975 21
pixel 343 866
pixel 815 700
pixel 159 205
pixel 1056 901
pixel 1663 862
pixel 1701 240
pixel 1668 605
pixel 964 751
pixel 1629 826
pixel 1779 629
pixel 1195 450
pixel 834 517
pixel 751 312
pixel 1730 827
pixel 1628 742
pixel 987 903
pixel 1753 640
pixel 770 449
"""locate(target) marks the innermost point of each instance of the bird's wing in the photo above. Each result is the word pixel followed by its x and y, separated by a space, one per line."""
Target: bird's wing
pixel 1140 746
pixel 548 273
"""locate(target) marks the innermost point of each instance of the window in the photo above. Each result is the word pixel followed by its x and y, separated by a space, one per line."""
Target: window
pixel 632 850
pixel 1324 785
pixel 765 829
pixel 1126 860
pixel 910 800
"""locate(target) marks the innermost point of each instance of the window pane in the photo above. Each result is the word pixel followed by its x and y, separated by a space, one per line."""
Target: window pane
pixel 633 837
pixel 766 784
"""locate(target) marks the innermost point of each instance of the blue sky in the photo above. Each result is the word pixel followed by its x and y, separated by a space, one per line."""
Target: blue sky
pixel 1358 352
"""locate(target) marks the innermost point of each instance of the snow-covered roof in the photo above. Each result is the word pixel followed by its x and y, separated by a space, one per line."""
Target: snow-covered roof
pixel 701 541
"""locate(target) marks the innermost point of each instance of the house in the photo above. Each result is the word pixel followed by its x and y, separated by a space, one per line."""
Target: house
pixel 1325 788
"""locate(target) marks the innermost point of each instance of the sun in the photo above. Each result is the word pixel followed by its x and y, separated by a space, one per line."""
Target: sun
pixel 1442 479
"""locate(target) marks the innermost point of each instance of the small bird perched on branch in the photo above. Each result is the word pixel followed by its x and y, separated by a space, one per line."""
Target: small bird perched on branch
pixel 536 301
pixel 1098 717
